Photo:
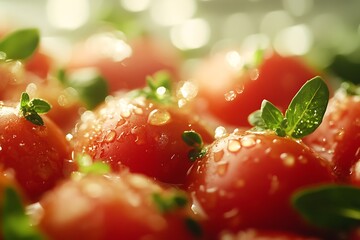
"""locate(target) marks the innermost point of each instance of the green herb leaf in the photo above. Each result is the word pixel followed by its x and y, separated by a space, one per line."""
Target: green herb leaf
pixel 88 166
pixel 193 139
pixel 330 206
pixel 16 224
pixel 350 88
pixel 166 204
pixel 307 108
pixel 194 227
pixel 303 116
pixel 20 44
pixel 31 109
pixel 90 85
pixel 158 88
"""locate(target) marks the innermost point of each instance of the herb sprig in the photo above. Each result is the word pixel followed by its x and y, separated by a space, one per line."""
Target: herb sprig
pixel 303 116
pixel 31 108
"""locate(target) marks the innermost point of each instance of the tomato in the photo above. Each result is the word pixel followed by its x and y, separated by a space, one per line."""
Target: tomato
pixel 35 154
pixel 337 139
pixel 231 92
pixel 141 135
pixel 125 65
pixel 121 206
pixel 39 64
pixel 255 234
pixel 246 180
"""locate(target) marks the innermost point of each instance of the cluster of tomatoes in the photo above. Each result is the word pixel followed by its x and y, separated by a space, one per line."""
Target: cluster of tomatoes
pixel 134 148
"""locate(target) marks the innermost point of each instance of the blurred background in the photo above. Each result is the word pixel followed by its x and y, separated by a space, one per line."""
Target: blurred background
pixel 326 33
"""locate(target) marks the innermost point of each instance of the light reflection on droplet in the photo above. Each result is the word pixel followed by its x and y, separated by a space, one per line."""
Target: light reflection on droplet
pixel 220 132
pixel 172 12
pixel 234 59
pixel 191 34
pixel 68 14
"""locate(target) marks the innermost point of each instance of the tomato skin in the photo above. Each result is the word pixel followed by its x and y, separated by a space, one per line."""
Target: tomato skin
pixel 246 181
pixel 337 138
pixel 277 79
pixel 111 207
pixel 39 64
pixel 148 56
pixel 36 154
pixel 140 135
pixel 255 234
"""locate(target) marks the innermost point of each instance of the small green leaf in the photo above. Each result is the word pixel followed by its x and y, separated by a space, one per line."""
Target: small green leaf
pixel 166 204
pixel 90 85
pixel 350 88
pixel 88 166
pixel 15 223
pixel 20 44
pixel 256 120
pixel 192 139
pixel 330 206
pixel 194 227
pixel 39 105
pixel 307 108
pixel 31 109
pixel 271 115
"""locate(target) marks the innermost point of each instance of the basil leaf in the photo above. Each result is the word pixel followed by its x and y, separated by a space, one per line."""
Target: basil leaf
pixel 192 139
pixel 20 44
pixel 16 224
pixel 307 108
pixel 271 115
pixel 39 105
pixel 31 109
pixel 256 120
pixel 330 206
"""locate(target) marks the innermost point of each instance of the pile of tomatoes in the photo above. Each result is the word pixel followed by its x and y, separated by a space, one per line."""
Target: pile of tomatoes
pixel 134 148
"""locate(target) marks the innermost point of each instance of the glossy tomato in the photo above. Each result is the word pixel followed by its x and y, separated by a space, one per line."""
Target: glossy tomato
pixel 125 206
pixel 35 154
pixel 141 135
pixel 231 91
pixel 246 181
pixel 125 64
pixel 337 139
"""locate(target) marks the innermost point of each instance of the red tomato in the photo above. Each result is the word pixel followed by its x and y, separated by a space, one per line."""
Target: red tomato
pixel 253 234
pixel 231 95
pixel 114 207
pixel 35 154
pixel 123 69
pixel 141 135
pixel 337 139
pixel 39 64
pixel 247 179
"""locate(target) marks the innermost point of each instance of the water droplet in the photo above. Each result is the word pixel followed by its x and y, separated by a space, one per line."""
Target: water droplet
pixel 340 135
pixel 232 213
pixel 274 184
pixel 187 90
pixel 222 168
pixel 139 134
pixel 220 132
pixel 239 89
pixel 120 122
pixel 234 145
pixel 110 136
pixel 125 113
pixel 0 148
pixel 248 141
pixel 230 96
pixel 218 156
pixel 288 159
pixel 159 117
pixel 302 159
pixel 22 144
pixel 254 74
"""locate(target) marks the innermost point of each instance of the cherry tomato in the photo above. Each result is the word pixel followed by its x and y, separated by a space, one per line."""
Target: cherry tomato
pixel 141 135
pixel 36 154
pixel 125 206
pixel 246 181
pixel 338 137
pixel 231 92
pixel 125 65
pixel 39 64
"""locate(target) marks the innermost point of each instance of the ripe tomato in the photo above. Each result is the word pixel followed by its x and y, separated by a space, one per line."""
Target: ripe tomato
pixel 254 234
pixel 141 135
pixel 231 92
pixel 337 139
pixel 125 65
pixel 246 181
pixel 39 64
pixel 35 154
pixel 125 206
